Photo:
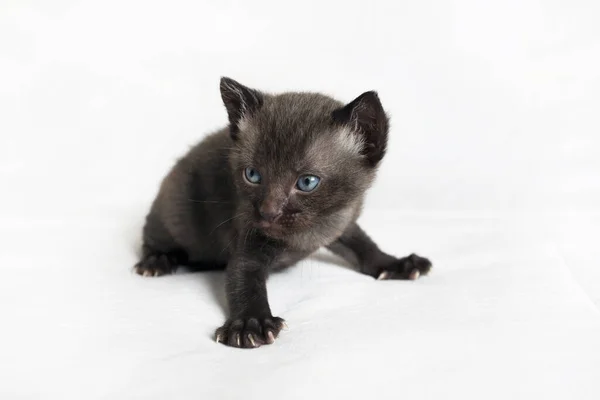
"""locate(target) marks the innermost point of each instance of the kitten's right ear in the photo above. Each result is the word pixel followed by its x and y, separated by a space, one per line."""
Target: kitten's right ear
pixel 366 116
pixel 240 101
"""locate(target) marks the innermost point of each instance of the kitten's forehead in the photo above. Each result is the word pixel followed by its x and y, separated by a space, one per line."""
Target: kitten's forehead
pixel 293 116
pixel 334 148
pixel 297 130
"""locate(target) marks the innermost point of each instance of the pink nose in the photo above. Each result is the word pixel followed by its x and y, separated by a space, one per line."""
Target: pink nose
pixel 269 214
pixel 270 210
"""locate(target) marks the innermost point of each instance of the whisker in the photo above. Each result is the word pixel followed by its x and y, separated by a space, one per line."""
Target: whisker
pixel 228 244
pixel 227 220
pixel 246 238
pixel 235 236
pixel 210 201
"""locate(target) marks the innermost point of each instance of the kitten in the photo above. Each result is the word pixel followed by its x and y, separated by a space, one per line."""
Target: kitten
pixel 286 177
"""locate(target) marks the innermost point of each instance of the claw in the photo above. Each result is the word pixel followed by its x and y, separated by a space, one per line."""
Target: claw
pixel 284 325
pixel 414 275
pixel 383 275
pixel 270 337
pixel 238 341
pixel 251 339
pixel 218 339
pixel 147 273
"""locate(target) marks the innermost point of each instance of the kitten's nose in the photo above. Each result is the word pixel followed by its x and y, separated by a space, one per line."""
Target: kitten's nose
pixel 269 212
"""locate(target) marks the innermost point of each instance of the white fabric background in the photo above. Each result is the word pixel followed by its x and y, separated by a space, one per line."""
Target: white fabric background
pixel 493 172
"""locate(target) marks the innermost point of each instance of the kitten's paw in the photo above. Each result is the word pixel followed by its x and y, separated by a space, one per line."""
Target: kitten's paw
pixel 249 333
pixel 410 267
pixel 156 265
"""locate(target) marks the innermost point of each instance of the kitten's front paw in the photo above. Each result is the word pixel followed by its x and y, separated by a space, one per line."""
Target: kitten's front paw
pixel 156 265
pixel 249 332
pixel 410 267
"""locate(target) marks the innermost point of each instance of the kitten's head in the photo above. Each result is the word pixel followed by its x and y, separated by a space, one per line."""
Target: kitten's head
pixel 303 161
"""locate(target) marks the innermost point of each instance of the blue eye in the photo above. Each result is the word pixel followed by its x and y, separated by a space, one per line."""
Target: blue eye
pixel 252 175
pixel 307 183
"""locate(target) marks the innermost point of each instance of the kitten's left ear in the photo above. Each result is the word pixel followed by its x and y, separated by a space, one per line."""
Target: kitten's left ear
pixel 366 116
pixel 239 101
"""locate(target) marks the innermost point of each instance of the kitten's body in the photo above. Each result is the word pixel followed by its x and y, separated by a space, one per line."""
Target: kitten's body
pixel 207 215
pixel 196 211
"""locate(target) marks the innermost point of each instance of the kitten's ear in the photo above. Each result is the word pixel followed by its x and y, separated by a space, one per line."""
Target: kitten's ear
pixel 239 101
pixel 366 116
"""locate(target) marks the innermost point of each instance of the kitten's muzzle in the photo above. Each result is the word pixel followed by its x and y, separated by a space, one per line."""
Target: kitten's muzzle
pixel 271 208
pixel 269 214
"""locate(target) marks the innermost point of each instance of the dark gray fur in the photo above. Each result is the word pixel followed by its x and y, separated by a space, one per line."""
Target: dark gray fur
pixel 207 215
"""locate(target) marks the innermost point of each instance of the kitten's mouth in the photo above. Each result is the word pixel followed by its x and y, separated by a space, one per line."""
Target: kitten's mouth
pixel 264 224
pixel 270 228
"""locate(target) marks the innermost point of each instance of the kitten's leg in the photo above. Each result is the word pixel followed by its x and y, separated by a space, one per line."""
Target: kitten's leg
pixel 357 248
pixel 160 254
pixel 250 322
pixel 157 263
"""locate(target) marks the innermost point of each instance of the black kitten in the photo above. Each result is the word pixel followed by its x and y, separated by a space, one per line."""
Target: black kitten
pixel 287 177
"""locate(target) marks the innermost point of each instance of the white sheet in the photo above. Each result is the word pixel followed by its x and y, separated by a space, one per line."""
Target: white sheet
pixel 500 316
pixel 492 172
